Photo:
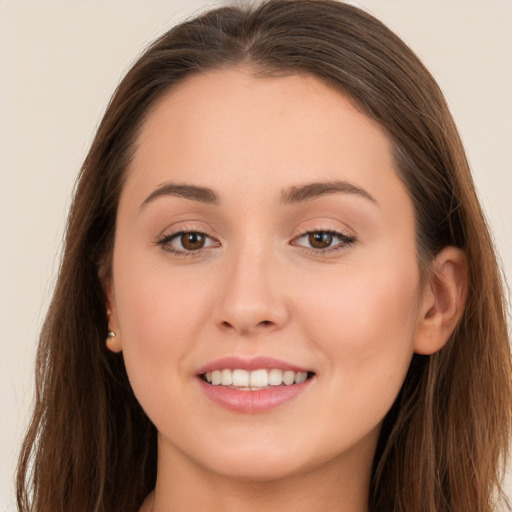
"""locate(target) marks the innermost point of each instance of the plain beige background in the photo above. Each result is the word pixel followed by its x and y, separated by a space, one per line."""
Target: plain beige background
pixel 59 63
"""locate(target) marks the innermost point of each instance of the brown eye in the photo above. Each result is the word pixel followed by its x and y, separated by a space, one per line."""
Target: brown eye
pixel 324 242
pixel 192 241
pixel 189 243
pixel 320 239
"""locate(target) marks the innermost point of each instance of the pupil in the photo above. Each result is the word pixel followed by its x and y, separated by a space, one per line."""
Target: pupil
pixel 192 241
pixel 320 240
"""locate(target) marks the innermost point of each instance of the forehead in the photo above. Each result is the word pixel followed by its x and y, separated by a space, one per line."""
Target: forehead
pixel 229 127
pixel 212 102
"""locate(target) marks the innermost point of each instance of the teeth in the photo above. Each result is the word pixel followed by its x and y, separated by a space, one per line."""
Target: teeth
pixel 226 378
pixel 256 379
pixel 288 378
pixel 240 377
pixel 275 377
pixel 216 377
pixel 300 377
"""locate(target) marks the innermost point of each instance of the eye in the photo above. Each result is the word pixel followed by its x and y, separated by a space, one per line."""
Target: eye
pixel 320 239
pixel 192 241
pixel 323 241
pixel 187 242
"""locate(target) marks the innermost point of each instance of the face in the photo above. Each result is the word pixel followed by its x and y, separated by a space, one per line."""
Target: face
pixel 262 235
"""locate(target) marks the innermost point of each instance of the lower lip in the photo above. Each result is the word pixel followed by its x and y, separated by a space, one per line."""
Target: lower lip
pixel 253 401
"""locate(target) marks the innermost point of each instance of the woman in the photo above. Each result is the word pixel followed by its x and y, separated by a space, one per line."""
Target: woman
pixel 277 233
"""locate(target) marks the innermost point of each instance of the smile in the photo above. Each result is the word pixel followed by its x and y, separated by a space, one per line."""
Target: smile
pixel 255 380
pixel 255 385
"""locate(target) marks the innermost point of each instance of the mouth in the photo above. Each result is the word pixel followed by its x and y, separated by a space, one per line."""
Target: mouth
pixel 255 380
pixel 254 385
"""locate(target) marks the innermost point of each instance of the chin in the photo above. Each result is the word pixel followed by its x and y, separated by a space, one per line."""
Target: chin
pixel 258 469
pixel 258 462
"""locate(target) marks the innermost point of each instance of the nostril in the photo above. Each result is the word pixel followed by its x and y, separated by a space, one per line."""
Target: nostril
pixel 246 328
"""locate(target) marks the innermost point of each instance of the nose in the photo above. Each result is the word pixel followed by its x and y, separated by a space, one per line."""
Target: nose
pixel 253 297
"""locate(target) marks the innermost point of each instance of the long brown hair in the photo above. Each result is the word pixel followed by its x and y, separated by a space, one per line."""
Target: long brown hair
pixel 90 446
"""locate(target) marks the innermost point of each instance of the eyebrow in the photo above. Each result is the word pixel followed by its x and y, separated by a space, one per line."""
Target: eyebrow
pixel 292 195
pixel 298 194
pixel 192 192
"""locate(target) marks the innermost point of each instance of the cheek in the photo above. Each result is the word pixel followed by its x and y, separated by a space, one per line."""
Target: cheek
pixel 149 312
pixel 160 315
pixel 364 324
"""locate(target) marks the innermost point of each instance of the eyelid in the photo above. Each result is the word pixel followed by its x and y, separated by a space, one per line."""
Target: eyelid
pixel 326 226
pixel 170 234
pixel 347 239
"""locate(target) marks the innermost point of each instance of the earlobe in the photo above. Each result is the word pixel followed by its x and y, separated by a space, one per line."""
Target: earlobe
pixel 113 342
pixel 113 338
pixel 443 301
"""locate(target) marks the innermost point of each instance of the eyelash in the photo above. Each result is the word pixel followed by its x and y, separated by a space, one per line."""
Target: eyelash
pixel 344 241
pixel 165 240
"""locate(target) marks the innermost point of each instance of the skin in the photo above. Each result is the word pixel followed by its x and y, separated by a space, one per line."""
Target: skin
pixel 353 313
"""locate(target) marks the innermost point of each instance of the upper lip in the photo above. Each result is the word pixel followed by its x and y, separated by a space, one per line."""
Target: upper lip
pixel 249 364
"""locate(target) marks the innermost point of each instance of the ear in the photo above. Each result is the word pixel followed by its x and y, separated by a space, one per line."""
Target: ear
pixel 113 339
pixel 443 301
